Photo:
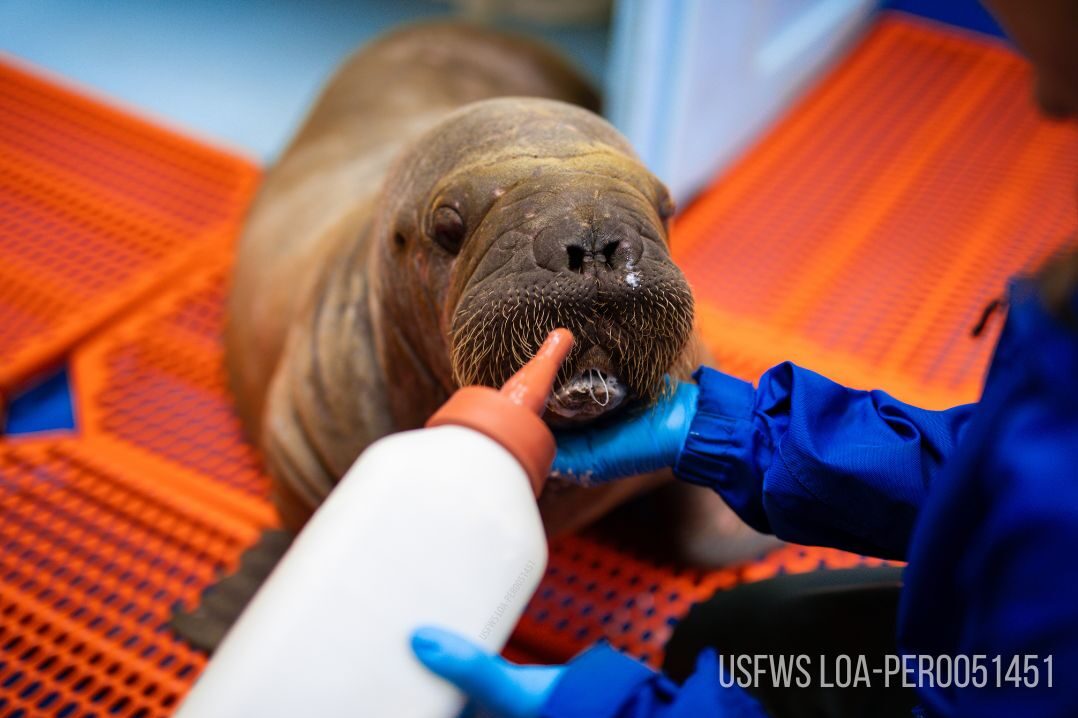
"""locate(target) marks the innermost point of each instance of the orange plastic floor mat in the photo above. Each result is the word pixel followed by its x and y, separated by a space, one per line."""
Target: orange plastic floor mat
pixel 96 209
pixel 93 557
pixel 861 238
pixel 153 388
pixel 865 234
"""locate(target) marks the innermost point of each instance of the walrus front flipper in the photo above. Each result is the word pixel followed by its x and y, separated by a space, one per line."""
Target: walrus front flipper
pixel 224 601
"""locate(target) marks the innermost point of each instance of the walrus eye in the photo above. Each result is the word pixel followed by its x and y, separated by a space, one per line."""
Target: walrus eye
pixel 666 207
pixel 447 229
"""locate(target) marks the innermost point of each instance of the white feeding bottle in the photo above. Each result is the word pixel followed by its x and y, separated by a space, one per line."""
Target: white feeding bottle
pixel 437 526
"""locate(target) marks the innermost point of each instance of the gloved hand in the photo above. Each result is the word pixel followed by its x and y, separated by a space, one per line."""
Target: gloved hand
pixel 494 684
pixel 646 442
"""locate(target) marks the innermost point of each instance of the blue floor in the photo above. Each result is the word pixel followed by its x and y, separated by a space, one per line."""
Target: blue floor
pixel 44 407
pixel 241 74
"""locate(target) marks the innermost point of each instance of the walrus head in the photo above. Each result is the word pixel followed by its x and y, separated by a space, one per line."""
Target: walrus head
pixel 515 216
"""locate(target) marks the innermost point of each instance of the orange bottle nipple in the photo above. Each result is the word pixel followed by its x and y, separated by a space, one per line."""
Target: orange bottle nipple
pixel 511 416
pixel 531 386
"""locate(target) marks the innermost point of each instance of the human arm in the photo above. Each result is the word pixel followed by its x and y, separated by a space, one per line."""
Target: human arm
pixel 799 456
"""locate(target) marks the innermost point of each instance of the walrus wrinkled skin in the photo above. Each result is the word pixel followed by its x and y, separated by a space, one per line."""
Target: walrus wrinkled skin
pixel 451 199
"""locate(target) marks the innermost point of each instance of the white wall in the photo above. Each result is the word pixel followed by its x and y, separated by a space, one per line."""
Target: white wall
pixel 692 82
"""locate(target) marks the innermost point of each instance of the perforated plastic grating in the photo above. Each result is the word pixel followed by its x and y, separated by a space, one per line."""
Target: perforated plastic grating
pixel 92 557
pixel 97 208
pixel 866 233
pixel 861 238
pixel 156 384
pixel 596 589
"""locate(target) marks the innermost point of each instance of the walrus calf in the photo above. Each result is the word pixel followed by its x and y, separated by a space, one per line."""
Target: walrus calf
pixel 451 198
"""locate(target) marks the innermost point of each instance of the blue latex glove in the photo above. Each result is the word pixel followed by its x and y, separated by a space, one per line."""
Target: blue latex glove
pixel 642 443
pixel 502 689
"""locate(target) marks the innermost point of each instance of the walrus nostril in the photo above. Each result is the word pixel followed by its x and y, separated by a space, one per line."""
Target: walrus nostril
pixel 609 250
pixel 579 256
pixel 576 257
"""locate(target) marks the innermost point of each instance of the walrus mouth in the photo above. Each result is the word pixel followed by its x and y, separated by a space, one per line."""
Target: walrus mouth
pixel 586 396
pixel 592 389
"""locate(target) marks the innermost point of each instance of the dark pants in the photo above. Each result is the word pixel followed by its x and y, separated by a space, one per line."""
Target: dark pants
pixel 821 615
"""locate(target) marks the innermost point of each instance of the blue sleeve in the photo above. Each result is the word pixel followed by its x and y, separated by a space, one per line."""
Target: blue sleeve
pixel 1023 608
pixel 992 567
pixel 814 462
pixel 602 683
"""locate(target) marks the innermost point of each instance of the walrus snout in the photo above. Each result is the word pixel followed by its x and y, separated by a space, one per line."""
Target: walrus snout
pixel 572 237
pixel 593 248
pixel 592 242
pixel 594 266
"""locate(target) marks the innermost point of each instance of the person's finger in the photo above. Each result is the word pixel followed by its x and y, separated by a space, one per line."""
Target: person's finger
pixel 595 456
pixel 574 460
pixel 457 660
pixel 495 686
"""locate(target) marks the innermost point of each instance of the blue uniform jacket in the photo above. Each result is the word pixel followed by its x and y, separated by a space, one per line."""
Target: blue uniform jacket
pixel 982 500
